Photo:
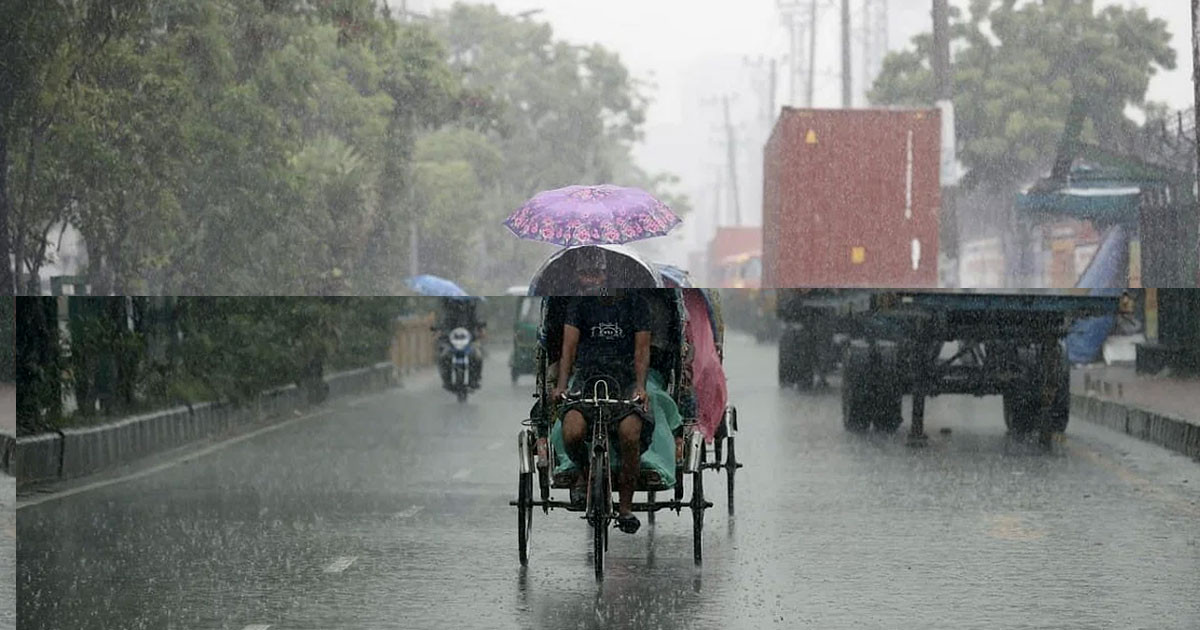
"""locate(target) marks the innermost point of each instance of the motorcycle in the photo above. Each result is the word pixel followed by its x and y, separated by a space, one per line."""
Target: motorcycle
pixel 460 346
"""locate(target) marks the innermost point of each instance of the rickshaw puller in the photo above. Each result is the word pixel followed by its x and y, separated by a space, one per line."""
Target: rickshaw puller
pixel 608 336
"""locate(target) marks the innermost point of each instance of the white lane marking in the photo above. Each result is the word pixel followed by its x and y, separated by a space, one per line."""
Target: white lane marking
pixel 462 474
pixel 494 445
pixel 341 564
pixel 208 450
pixel 258 626
pixel 410 512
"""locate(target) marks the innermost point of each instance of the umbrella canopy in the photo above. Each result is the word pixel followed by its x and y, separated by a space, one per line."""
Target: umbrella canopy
pixel 592 215
pixel 434 286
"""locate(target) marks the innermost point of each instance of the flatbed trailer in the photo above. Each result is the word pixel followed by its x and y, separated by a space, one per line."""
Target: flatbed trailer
pixel 930 343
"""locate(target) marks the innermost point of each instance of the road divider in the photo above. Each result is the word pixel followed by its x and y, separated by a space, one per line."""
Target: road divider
pixel 72 453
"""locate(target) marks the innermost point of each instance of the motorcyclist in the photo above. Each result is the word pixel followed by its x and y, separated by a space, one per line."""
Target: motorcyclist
pixel 457 312
pixel 608 336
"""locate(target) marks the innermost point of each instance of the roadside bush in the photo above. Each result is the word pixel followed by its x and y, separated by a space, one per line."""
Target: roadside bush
pixel 131 354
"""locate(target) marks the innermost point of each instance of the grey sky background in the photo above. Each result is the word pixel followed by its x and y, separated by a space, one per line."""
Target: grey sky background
pixel 694 53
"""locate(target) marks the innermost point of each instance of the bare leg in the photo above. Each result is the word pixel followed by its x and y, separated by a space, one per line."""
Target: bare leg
pixel 574 433
pixel 630 432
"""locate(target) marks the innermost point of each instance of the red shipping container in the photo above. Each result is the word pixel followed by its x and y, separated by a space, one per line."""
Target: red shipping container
pixel 851 199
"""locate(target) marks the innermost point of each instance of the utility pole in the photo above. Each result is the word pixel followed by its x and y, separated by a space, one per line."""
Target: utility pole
pixel 771 96
pixel 847 75
pixel 1196 77
pixel 731 157
pixel 875 41
pixel 944 96
pixel 941 49
pixel 812 55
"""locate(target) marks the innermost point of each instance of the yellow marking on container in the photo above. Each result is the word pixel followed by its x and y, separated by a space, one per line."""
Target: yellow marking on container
pixel 811 138
pixel 858 255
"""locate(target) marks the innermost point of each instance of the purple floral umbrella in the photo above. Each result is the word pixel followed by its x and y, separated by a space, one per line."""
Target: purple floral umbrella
pixel 592 215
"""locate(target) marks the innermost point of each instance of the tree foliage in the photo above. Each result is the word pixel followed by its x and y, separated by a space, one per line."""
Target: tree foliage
pixel 285 146
pixel 1017 66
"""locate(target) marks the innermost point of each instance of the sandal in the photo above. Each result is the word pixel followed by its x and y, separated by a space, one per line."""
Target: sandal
pixel 628 523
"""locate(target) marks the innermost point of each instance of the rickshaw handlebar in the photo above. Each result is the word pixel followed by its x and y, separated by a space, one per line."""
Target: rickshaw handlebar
pixel 602 401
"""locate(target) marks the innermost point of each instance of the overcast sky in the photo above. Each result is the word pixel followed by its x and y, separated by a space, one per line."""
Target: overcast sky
pixel 693 52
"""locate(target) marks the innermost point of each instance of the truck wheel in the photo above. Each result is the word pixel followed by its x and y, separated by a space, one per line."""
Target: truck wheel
pixel 1060 408
pixel 888 412
pixel 856 397
pixel 787 352
pixel 1020 413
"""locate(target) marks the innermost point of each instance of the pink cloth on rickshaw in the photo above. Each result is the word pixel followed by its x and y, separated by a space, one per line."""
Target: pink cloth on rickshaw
pixel 708 375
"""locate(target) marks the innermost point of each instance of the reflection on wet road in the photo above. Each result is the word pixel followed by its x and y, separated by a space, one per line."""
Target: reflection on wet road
pixel 392 512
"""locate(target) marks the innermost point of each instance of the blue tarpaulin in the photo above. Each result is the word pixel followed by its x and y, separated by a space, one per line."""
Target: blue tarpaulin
pixel 1105 276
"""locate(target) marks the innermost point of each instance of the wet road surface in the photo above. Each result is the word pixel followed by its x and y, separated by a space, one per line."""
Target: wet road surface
pixel 391 511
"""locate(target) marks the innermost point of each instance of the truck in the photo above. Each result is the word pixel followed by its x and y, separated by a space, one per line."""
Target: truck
pixel 926 343
pixel 851 198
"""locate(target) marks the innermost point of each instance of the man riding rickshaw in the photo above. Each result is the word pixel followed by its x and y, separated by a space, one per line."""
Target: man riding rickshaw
pixel 640 365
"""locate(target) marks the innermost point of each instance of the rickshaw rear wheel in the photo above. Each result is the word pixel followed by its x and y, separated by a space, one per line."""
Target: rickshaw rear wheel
pixel 651 498
pixel 697 515
pixel 730 469
pixel 524 514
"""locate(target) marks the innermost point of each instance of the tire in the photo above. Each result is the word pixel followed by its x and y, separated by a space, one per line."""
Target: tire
pixel 515 375
pixel 650 498
pixel 730 471
pixel 787 342
pixel 870 396
pixel 697 516
pixel 1022 409
pixel 524 515
pixel 855 397
pixel 889 414
pixel 1020 413
pixel 599 492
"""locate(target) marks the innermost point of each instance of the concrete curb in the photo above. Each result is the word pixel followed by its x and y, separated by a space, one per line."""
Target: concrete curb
pixel 1176 434
pixel 78 452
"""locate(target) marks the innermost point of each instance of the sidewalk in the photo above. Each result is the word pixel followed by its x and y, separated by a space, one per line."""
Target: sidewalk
pixel 1159 409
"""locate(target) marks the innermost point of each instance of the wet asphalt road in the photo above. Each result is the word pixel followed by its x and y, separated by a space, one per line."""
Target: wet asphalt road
pixel 390 511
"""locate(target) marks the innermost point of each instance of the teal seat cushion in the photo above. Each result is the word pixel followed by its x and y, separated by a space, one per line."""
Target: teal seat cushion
pixel 660 457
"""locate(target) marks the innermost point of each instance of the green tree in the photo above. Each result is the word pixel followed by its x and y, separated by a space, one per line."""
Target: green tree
pixel 1016 69
pixel 568 114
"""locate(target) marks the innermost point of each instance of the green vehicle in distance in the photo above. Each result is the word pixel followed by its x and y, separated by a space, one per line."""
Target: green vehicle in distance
pixel 525 333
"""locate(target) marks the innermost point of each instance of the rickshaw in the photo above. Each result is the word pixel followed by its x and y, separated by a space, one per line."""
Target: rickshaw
pixel 627 270
pixel 525 327
pixel 677 451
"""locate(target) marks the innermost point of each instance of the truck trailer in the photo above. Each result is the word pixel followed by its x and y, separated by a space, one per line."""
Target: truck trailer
pixel 932 343
pixel 851 198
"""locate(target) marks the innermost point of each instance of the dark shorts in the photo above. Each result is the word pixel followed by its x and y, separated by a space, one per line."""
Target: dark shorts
pixel 613 413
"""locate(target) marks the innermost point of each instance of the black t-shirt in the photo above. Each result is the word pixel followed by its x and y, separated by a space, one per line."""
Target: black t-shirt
pixel 607 327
